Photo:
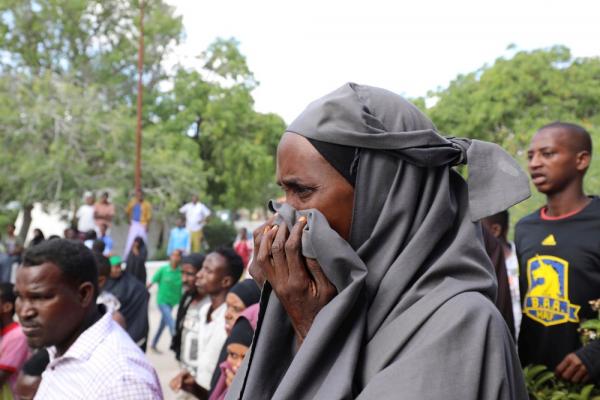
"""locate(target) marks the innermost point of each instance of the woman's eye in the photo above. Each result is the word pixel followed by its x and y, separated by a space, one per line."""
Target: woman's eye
pixel 304 191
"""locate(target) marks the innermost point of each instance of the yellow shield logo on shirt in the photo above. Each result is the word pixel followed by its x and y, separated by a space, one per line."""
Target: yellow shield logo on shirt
pixel 547 300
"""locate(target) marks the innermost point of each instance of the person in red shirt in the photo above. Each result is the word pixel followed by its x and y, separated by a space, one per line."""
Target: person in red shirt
pixel 13 343
pixel 243 246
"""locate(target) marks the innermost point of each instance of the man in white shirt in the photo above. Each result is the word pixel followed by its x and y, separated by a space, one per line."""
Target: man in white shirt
pixel 220 271
pixel 85 214
pixel 91 356
pixel 196 214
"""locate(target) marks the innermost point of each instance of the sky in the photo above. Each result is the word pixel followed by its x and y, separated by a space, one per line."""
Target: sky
pixel 300 51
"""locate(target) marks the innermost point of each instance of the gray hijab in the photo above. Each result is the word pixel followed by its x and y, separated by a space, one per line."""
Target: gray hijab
pixel 414 317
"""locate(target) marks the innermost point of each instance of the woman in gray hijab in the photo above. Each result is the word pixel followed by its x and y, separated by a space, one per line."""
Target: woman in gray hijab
pixel 377 281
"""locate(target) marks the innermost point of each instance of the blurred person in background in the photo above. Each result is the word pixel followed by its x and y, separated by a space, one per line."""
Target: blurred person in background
pixel 196 215
pixel 168 279
pixel 139 214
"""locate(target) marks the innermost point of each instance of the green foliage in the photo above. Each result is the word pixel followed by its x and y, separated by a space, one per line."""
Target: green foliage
pixel 160 254
pixel 69 123
pixel 94 42
pixel 590 330
pixel 508 101
pixel 236 144
pixel 218 233
pixel 53 148
pixel 6 217
pixel 543 385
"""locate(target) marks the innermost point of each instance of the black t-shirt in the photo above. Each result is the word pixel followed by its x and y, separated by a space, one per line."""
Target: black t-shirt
pixel 559 265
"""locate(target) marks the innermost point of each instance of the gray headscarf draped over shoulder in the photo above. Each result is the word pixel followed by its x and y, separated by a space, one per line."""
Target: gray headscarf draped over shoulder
pixel 413 318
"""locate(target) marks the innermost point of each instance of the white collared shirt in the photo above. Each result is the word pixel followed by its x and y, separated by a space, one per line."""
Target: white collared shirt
pixel 103 363
pixel 195 214
pixel 211 338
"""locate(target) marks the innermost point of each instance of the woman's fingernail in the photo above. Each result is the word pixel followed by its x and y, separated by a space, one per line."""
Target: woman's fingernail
pixel 267 228
pixel 274 228
pixel 302 219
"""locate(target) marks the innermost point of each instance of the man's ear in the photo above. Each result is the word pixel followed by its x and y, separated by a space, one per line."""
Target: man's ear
pixel 583 159
pixel 86 294
pixel 227 282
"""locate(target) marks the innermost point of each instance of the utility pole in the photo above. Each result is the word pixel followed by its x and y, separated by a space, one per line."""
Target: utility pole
pixel 138 131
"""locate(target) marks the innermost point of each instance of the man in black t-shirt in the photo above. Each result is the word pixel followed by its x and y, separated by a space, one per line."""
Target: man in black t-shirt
pixel 558 248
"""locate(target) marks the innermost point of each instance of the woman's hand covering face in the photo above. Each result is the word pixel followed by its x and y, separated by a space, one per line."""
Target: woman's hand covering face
pixel 299 282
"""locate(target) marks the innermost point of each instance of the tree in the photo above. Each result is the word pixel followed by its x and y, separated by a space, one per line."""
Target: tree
pixel 53 148
pixel 92 41
pixel 508 101
pixel 72 68
pixel 68 126
pixel 236 144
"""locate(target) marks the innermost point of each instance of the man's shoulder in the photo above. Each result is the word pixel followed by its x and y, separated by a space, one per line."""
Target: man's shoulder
pixel 117 365
pixel 472 309
pixel 120 352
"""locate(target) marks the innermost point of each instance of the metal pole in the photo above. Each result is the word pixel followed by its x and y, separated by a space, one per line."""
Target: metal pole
pixel 138 131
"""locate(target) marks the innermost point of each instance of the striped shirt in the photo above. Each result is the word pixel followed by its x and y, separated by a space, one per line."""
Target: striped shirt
pixel 103 363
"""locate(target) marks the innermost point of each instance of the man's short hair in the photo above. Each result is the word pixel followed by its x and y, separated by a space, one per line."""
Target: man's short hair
pixel 7 294
pixel 103 265
pixel 581 139
pixel 235 264
pixel 76 261
pixel 195 260
pixel 98 246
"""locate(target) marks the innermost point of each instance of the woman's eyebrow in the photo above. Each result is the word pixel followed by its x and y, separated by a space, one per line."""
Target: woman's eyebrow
pixel 293 182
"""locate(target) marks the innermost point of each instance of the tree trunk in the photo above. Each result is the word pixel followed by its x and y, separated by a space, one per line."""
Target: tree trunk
pixel 161 233
pixel 26 222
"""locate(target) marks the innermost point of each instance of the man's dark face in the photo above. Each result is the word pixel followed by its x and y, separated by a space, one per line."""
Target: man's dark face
pixel 50 309
pixel 212 278
pixel 10 229
pixel 553 163
pixel 175 258
pixel 188 277
pixel 116 271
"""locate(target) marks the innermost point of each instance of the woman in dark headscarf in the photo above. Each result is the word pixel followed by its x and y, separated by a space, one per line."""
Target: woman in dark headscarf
pixel 38 237
pixel 136 260
pixel 377 281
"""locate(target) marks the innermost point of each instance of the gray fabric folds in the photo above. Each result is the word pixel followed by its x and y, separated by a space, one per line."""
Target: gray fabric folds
pixel 368 117
pixel 413 318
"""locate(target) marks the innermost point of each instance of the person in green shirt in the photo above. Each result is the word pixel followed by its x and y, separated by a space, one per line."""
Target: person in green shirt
pixel 168 278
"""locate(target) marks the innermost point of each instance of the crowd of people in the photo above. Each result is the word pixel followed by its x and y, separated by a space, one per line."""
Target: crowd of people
pixel 365 283
pixel 91 282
